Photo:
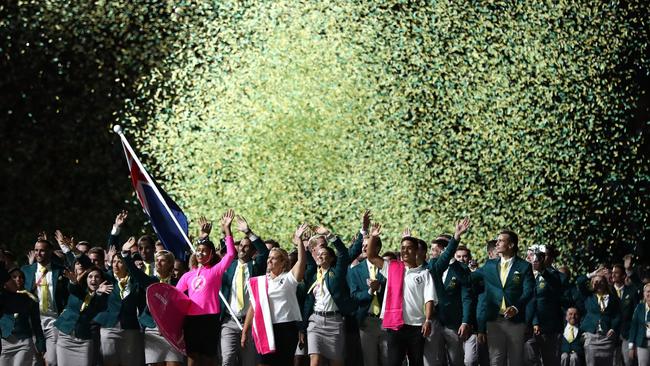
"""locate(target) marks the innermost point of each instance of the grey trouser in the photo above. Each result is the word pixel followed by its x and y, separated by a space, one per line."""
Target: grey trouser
pixel 373 342
pixel 231 349
pixel 599 349
pixel 17 352
pixel 643 355
pixel 543 349
pixel 570 359
pixel 449 345
pixel 470 348
pixel 505 342
pixel 51 335
pixel 622 356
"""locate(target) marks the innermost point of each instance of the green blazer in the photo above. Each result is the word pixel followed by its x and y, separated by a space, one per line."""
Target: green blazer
pixel 576 346
pixel 142 281
pixel 637 326
pixel 547 309
pixel 123 310
pixel 72 320
pixel 357 277
pixel 59 286
pixel 518 290
pixel 336 279
pixel 25 324
pixel 256 267
pixel 629 301
pixel 608 319
pixel 454 298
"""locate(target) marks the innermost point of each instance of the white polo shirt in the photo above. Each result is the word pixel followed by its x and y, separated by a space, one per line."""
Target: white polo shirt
pixel 418 290
pixel 282 298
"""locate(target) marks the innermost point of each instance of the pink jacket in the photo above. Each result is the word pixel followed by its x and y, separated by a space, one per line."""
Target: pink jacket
pixel 203 283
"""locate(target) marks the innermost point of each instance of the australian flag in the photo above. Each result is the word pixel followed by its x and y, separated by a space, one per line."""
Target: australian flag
pixel 168 220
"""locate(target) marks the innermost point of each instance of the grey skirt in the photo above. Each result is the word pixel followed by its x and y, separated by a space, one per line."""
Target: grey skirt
pixel 122 347
pixel 17 352
pixel 326 336
pixel 157 349
pixel 73 351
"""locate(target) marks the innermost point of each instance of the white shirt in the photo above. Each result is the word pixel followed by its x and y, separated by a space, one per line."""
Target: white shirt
pixel 282 298
pixel 418 290
pixel 323 297
pixel 234 304
pixel 51 306
pixel 567 329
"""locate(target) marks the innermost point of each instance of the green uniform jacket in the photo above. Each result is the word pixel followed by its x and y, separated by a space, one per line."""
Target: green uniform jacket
pixel 637 326
pixel 357 280
pixel 60 285
pixel 336 279
pixel 123 310
pixel 454 297
pixel 608 319
pixel 256 267
pixel 518 290
pixel 576 346
pixel 72 320
pixel 547 309
pixel 25 324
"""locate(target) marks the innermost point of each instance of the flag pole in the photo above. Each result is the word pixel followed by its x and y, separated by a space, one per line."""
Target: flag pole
pixel 118 129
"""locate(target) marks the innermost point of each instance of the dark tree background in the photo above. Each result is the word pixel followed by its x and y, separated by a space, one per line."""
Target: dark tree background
pixel 65 74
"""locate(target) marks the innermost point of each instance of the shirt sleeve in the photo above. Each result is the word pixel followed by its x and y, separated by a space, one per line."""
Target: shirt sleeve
pixel 384 269
pixel 429 289
pixel 182 283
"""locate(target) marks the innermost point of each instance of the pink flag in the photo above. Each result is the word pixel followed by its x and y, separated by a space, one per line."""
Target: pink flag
pixel 168 307
pixel 262 324
pixel 393 317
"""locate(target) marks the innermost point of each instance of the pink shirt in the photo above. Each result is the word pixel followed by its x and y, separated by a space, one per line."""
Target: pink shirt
pixel 203 283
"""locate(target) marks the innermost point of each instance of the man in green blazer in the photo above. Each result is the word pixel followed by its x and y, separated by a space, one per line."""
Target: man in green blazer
pixel 367 287
pixel 501 315
pixel 46 281
pixel 451 280
pixel 629 298
pixel 639 329
pixel 252 254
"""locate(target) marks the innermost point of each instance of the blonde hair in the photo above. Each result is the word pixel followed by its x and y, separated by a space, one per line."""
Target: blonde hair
pixel 165 253
pixel 285 257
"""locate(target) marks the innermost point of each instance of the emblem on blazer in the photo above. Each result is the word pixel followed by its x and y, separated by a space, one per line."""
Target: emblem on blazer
pixel 516 278
pixel 452 283
pixel 542 284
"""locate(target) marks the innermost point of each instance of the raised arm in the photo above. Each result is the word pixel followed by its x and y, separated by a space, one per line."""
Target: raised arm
pixel 139 277
pixel 260 247
pixel 373 243
pixel 298 270
pixel 226 221
pixel 442 263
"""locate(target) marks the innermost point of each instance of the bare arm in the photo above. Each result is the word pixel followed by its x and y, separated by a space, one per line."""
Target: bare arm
pixel 247 326
pixel 371 251
pixel 298 270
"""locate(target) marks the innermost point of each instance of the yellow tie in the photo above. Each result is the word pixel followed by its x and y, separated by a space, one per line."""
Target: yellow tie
pixel 375 308
pixel 45 291
pixel 319 281
pixel 571 335
pixel 240 286
pixel 147 268
pixel 164 280
pixel 86 302
pixel 619 291
pixel 122 285
pixel 601 302
pixel 504 276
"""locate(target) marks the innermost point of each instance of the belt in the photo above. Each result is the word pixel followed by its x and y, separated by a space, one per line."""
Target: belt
pixel 327 313
pixel 228 316
pixel 370 315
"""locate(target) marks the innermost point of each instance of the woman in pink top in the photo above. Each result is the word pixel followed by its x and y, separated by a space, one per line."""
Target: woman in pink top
pixel 202 284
